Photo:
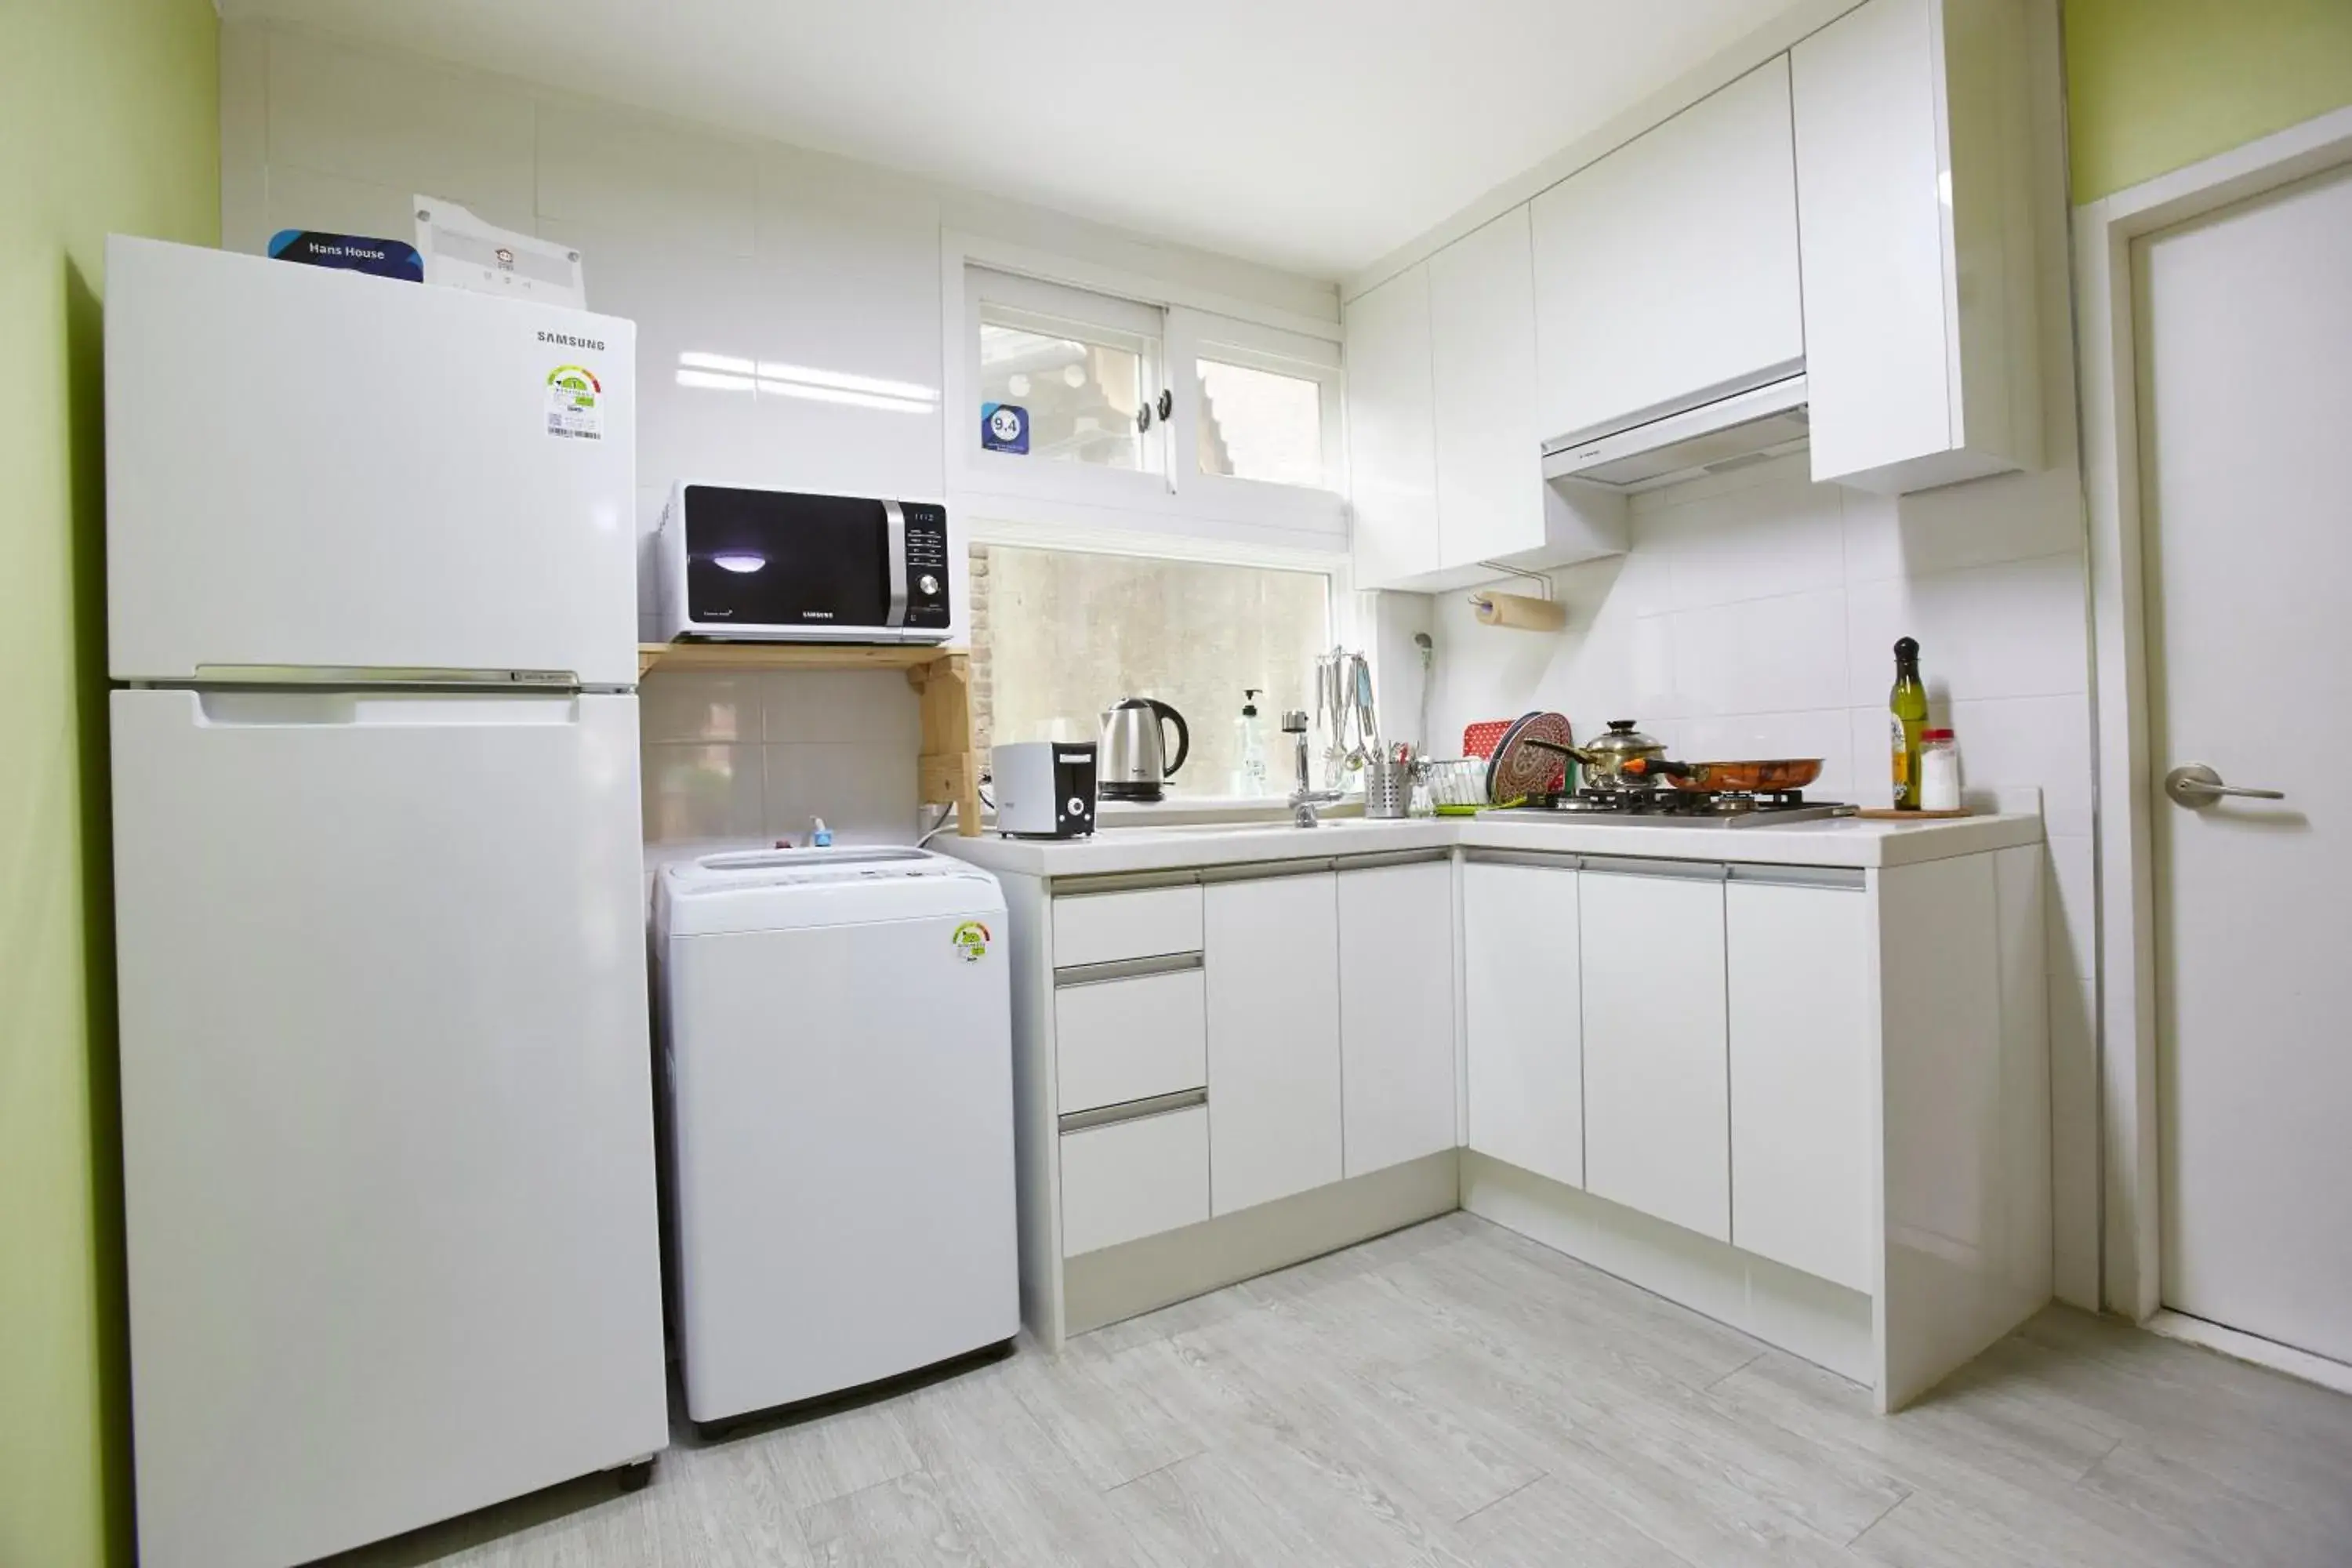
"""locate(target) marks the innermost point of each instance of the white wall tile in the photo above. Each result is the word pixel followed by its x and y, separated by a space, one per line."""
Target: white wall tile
pixel 244 138
pixel 866 793
pixel 679 705
pixel 2044 741
pixel 1762 655
pixel 2073 1068
pixel 1785 536
pixel 637 174
pixel 1823 733
pixel 2014 629
pixel 2008 518
pixel 703 792
pixel 295 198
pixel 428 131
pixel 860 707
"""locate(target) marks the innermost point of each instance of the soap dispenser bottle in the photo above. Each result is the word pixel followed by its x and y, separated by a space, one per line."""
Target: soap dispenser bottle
pixel 1249 745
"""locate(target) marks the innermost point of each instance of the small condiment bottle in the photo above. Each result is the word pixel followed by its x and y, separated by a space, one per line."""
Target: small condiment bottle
pixel 1940 771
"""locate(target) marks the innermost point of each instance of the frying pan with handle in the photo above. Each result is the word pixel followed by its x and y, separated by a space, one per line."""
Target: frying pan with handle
pixel 1749 777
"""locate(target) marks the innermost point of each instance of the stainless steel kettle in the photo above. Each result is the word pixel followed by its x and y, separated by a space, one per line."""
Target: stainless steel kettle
pixel 1134 762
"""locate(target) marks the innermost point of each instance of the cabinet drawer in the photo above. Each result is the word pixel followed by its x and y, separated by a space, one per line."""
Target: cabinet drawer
pixel 1134 1179
pixel 1116 1040
pixel 1099 927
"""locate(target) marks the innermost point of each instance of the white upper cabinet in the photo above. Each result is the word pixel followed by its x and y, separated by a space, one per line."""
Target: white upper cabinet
pixel 1666 274
pixel 1448 459
pixel 1492 502
pixel 1391 431
pixel 1914 191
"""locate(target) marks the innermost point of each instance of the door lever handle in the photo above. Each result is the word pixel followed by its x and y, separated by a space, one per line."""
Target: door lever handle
pixel 2194 784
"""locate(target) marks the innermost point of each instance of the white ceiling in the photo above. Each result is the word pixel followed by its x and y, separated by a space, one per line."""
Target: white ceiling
pixel 1313 134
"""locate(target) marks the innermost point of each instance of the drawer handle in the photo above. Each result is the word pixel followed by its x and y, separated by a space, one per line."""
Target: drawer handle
pixel 1125 969
pixel 1134 1110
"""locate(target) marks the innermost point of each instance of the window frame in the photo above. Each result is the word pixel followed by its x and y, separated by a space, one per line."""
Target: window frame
pixel 1195 335
pixel 1345 610
pixel 1054 505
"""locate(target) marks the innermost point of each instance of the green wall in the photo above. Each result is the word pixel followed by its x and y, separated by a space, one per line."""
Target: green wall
pixel 109 121
pixel 2152 85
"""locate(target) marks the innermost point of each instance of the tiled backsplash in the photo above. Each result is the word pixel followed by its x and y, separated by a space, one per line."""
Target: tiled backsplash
pixel 756 755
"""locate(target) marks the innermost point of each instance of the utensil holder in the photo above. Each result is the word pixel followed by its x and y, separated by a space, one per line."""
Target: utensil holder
pixel 1388 787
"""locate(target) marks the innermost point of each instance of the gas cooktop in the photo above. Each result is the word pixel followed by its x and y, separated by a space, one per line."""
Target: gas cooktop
pixel 1682 809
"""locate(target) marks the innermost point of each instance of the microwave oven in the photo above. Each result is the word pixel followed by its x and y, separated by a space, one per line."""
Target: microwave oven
pixel 784 567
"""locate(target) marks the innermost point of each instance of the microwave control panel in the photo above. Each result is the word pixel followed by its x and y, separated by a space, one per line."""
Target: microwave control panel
pixel 927 565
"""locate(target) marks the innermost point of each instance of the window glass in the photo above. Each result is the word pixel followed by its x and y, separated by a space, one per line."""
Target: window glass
pixel 1261 425
pixel 1079 388
pixel 1058 635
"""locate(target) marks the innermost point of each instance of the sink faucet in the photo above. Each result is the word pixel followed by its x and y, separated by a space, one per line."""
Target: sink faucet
pixel 1304 798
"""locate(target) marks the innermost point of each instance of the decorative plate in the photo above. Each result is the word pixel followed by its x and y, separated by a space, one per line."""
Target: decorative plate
pixel 1522 772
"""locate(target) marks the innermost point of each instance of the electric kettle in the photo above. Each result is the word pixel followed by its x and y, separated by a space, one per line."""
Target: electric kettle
pixel 1133 763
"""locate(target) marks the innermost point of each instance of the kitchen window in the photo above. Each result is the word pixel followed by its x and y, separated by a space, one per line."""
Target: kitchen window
pixel 1057 635
pixel 1172 417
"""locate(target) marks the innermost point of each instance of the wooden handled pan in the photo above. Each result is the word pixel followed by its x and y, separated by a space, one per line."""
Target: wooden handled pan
pixel 1735 778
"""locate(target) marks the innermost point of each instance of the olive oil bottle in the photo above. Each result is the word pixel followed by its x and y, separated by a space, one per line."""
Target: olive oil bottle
pixel 1907 709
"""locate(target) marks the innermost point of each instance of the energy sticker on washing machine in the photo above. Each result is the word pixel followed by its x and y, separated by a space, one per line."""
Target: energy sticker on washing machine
pixel 574 410
pixel 970 939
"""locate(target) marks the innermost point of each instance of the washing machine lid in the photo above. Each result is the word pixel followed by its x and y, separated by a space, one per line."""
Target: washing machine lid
pixel 777 890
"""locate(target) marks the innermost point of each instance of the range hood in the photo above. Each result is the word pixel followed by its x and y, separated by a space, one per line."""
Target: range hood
pixel 1731 432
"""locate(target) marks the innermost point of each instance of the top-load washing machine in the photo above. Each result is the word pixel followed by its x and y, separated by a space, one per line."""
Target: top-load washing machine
pixel 838 1103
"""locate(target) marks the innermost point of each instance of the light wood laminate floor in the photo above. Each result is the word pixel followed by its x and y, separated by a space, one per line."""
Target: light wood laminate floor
pixel 1455 1393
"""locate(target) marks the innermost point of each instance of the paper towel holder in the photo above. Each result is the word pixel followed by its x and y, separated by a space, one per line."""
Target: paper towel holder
pixel 1516 611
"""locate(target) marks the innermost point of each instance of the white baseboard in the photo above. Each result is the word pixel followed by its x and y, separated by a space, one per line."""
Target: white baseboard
pixel 1100 1287
pixel 1826 1324
pixel 2253 1347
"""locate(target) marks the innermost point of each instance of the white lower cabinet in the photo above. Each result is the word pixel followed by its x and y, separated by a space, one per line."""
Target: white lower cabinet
pixel 1133 1179
pixel 1129 1038
pixel 1798 947
pixel 1396 1014
pixel 1523 994
pixel 1657 1089
pixel 1272 949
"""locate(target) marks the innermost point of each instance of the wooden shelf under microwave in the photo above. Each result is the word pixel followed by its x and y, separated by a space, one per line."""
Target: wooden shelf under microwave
pixel 947 771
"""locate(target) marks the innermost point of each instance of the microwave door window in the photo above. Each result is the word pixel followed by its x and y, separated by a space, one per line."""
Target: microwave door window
pixel 766 558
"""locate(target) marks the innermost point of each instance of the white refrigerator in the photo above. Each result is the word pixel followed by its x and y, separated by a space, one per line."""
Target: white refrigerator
pixel 387 1125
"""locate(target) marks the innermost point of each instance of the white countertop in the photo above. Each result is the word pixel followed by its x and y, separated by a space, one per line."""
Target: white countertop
pixel 1843 841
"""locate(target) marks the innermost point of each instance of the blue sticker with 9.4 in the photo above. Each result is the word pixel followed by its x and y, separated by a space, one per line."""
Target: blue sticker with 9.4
pixel 1004 427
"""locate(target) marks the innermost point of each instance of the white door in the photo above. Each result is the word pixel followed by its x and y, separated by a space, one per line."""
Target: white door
pixel 312 467
pixel 1524 1037
pixel 2246 363
pixel 387 1116
pixel 1396 1013
pixel 1271 946
pixel 1658 1091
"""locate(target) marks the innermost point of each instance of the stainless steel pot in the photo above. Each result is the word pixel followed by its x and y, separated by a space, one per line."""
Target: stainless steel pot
pixel 1604 760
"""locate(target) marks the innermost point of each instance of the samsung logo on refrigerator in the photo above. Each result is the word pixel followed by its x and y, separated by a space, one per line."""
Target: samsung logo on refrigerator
pixel 569 342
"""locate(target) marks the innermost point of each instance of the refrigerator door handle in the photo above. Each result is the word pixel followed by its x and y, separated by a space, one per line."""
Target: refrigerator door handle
pixel 228 707
pixel 384 674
